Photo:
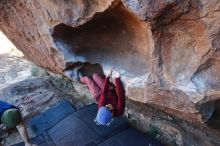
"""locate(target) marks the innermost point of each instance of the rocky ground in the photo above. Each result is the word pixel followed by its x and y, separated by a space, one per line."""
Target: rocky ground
pixel 28 87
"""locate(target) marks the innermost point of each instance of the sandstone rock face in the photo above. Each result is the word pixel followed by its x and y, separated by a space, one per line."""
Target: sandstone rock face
pixel 166 50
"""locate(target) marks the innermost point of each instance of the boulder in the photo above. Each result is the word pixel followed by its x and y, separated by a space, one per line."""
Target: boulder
pixel 167 51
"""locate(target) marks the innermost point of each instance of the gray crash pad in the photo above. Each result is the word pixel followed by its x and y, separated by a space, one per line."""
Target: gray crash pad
pixel 80 129
pixel 71 129
pixel 131 137
pixel 88 114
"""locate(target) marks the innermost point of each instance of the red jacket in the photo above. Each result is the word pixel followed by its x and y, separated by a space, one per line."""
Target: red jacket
pixel 114 97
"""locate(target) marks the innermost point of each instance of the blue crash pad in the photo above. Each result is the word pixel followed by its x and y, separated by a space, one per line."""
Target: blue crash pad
pixel 39 140
pixel 73 130
pixel 52 116
pixel 88 114
pixel 62 125
pixel 131 137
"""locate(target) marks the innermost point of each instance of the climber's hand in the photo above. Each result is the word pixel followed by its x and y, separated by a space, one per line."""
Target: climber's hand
pixel 116 74
pixel 110 73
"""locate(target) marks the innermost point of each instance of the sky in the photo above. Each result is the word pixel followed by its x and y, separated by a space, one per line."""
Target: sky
pixel 6 46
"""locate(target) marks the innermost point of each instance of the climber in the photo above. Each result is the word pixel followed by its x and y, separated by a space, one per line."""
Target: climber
pixel 11 117
pixel 110 98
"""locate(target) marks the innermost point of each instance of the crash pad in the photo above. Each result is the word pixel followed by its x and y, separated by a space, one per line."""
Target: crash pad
pixel 72 129
pixel 77 128
pixel 88 114
pixel 131 137
pixel 52 116
pixel 40 140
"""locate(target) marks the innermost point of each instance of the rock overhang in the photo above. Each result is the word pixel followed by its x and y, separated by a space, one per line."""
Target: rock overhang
pixel 168 42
